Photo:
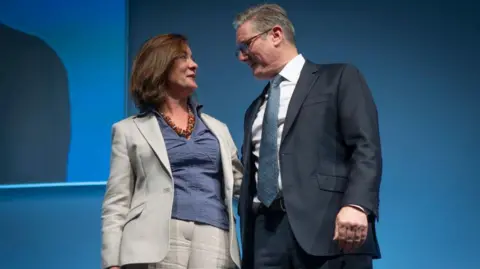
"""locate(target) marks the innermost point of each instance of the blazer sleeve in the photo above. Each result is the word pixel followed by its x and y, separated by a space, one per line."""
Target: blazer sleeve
pixel 358 119
pixel 117 198
pixel 236 165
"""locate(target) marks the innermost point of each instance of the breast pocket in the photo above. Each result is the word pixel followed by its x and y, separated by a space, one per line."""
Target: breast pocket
pixel 317 99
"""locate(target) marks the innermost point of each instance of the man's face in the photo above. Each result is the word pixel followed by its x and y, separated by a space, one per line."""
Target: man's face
pixel 257 50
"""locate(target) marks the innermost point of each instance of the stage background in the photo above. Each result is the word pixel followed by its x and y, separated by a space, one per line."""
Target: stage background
pixel 61 89
pixel 420 60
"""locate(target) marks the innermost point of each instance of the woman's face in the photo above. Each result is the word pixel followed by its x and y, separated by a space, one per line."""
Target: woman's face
pixel 182 75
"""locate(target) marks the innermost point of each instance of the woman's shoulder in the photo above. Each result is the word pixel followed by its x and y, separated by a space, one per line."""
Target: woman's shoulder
pixel 124 123
pixel 210 119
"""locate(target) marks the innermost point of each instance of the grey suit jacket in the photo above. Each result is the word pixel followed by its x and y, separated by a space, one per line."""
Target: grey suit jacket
pixel 137 207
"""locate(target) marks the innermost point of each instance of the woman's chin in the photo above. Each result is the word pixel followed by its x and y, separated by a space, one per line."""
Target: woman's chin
pixel 188 91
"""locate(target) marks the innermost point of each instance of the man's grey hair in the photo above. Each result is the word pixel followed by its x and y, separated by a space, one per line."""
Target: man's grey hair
pixel 265 17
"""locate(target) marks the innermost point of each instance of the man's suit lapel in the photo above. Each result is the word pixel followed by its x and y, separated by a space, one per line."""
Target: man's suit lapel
pixel 251 115
pixel 253 110
pixel 247 138
pixel 307 79
pixel 148 126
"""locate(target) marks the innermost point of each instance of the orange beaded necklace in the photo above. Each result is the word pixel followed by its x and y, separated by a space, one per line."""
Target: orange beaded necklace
pixel 181 132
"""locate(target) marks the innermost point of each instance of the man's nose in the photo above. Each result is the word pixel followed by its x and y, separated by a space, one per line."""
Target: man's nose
pixel 242 56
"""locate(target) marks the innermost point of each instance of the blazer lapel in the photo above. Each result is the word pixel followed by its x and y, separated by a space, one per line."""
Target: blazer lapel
pixel 225 153
pixel 305 83
pixel 148 126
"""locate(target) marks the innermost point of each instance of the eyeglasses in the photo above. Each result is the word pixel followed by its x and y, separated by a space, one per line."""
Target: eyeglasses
pixel 244 46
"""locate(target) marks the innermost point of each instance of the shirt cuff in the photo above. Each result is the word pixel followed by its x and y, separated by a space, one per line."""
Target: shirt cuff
pixel 359 208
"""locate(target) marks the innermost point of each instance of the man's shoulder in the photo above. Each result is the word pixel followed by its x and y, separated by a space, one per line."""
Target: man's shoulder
pixel 334 67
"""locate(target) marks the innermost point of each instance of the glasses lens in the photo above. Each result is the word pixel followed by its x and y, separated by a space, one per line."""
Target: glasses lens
pixel 241 48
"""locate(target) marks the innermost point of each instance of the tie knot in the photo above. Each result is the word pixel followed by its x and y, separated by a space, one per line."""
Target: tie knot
pixel 276 81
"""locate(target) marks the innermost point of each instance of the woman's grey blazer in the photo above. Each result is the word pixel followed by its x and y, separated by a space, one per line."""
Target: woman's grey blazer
pixel 137 207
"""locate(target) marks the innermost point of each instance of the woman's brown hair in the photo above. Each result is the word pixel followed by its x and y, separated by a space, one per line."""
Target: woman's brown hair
pixel 151 68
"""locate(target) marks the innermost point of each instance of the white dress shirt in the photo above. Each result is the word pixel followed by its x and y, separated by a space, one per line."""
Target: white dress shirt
pixel 291 74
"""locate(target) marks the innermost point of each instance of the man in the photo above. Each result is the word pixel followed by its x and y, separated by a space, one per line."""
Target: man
pixel 311 155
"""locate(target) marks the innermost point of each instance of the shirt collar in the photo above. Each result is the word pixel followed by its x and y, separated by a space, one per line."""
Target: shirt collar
pixel 195 105
pixel 291 71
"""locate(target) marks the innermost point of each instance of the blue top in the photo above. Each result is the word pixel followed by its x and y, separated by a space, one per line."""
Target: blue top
pixel 197 173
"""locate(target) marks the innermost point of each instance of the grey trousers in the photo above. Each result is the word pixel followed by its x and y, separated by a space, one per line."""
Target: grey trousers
pixel 194 246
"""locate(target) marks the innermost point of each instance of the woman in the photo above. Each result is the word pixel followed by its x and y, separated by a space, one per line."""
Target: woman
pixel 173 173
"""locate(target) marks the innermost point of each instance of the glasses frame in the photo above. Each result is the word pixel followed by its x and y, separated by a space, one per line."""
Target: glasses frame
pixel 244 46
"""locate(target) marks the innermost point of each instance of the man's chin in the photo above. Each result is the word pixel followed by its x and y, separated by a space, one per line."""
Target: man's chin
pixel 259 73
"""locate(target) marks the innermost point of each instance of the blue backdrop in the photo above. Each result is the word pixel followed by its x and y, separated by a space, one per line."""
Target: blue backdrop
pixel 66 136
pixel 420 60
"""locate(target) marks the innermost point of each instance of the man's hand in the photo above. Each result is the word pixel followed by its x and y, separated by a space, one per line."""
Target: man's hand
pixel 351 227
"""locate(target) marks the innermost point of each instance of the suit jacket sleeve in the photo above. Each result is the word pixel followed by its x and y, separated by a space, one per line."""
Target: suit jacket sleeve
pixel 359 126
pixel 117 199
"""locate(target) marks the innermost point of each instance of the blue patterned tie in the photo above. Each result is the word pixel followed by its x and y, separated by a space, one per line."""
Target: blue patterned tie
pixel 268 161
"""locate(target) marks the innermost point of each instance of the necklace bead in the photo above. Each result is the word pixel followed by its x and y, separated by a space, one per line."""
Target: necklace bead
pixel 182 132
